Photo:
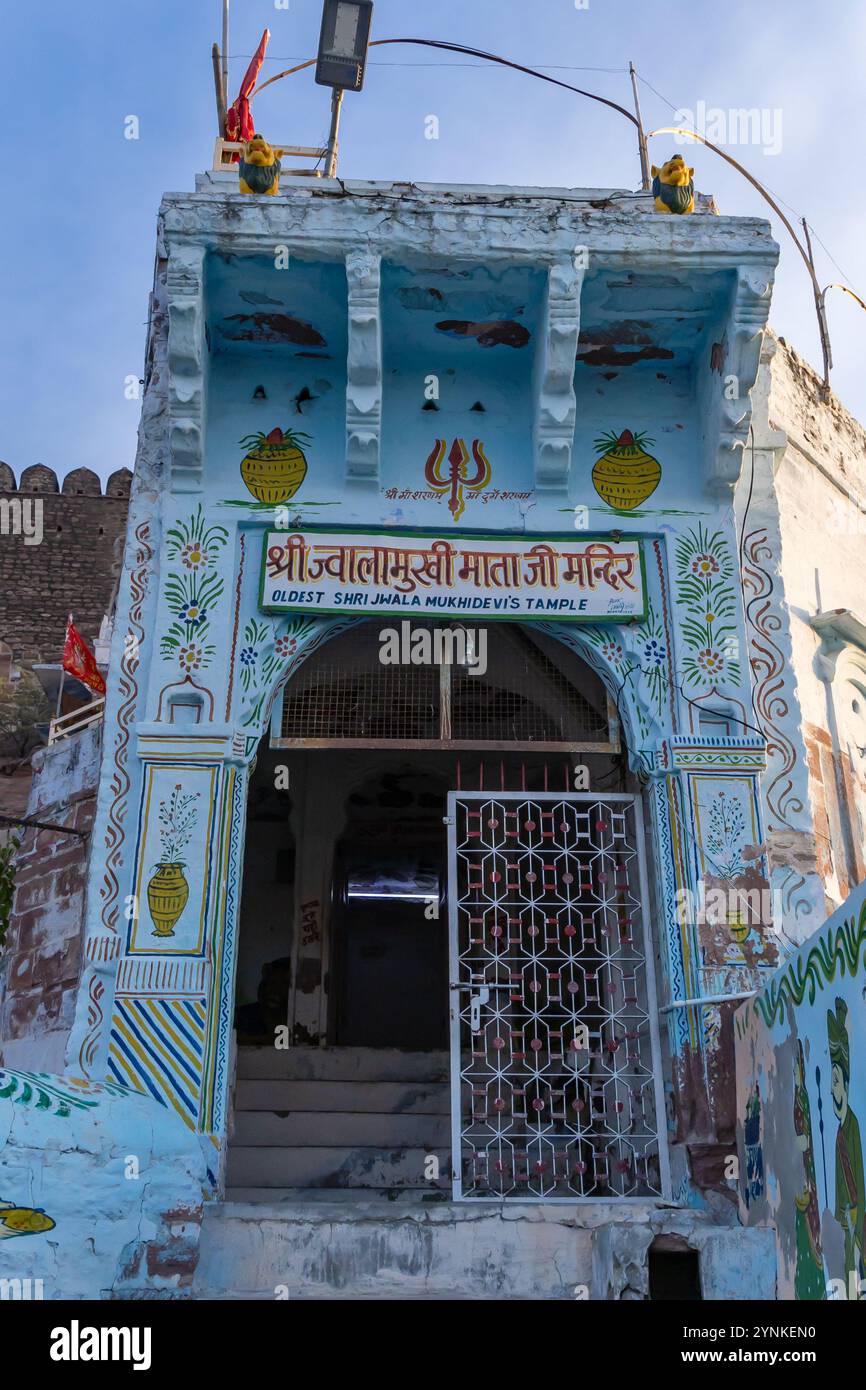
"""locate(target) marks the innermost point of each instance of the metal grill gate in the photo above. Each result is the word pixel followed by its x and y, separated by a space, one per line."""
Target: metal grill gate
pixel 555 1070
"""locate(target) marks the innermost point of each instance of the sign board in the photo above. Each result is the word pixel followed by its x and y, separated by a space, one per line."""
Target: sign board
pixel 578 578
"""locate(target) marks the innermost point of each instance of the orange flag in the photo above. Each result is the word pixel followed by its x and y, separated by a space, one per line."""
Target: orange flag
pixel 239 120
pixel 79 660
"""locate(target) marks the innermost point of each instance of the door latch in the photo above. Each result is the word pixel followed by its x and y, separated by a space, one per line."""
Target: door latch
pixel 478 999
pixel 475 1003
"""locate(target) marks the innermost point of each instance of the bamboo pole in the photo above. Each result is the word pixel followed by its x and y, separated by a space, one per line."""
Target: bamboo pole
pixel 821 310
pixel 221 100
pixel 641 133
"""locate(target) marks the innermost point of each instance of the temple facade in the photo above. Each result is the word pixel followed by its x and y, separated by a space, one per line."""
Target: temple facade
pixel 463 769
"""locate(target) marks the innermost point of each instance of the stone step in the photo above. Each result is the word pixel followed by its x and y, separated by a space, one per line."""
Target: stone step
pixel 375 1097
pixel 309 1250
pixel 332 1166
pixel 341 1064
pixel 276 1196
pixel 340 1129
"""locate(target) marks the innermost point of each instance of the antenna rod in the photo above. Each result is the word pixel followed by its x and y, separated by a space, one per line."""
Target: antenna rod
pixel 220 90
pixel 821 310
pixel 641 133
pixel 226 51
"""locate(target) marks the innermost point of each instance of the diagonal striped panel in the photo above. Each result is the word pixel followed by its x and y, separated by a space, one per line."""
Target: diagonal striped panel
pixel 218 1042
pixel 157 1046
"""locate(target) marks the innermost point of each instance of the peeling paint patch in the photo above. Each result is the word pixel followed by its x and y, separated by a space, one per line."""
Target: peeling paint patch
pixel 737 926
pixel 270 328
pixel 421 297
pixel 493 333
pixel 614 357
pixel 631 332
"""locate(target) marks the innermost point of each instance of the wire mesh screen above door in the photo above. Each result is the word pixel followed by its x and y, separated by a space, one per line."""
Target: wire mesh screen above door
pixel 533 693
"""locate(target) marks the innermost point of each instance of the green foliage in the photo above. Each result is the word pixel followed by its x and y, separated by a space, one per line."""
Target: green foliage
pixel 609 442
pixel 293 439
pixel 23 706
pixel 7 884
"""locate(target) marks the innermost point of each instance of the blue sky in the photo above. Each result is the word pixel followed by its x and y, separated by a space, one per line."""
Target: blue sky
pixel 80 200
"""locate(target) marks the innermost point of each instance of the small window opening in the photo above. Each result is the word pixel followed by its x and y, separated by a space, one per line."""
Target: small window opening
pixel 674 1275
pixel 185 709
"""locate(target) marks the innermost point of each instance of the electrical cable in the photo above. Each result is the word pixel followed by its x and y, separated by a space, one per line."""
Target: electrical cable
pixel 449 47
pixel 656 92
pixel 551 67
pixel 833 259
pixel 742 553
pixel 677 685
pixel 777 196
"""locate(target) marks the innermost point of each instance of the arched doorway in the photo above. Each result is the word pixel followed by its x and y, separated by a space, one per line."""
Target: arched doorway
pixel 358 916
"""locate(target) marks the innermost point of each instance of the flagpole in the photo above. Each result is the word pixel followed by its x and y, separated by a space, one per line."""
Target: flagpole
pixel 62 670
pixel 225 52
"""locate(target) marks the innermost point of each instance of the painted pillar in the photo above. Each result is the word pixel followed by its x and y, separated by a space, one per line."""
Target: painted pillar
pixel 170 1028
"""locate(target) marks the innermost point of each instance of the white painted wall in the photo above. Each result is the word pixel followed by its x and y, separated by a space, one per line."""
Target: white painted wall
pixel 809 494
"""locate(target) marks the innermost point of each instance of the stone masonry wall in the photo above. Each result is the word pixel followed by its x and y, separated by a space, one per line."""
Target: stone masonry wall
pixel 40 966
pixel 74 566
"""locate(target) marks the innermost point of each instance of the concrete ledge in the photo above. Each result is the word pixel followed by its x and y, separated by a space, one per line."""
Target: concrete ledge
pixel 376 1250
pixel 735 1263
pixel 311 1247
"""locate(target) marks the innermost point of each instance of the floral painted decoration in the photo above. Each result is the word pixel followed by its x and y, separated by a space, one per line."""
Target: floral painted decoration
pixel 177 818
pixel 724 837
pixel 267 648
pixel 192 592
pixel 706 594
pixel 645 662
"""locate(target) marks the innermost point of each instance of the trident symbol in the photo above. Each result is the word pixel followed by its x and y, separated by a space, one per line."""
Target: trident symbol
pixel 457 477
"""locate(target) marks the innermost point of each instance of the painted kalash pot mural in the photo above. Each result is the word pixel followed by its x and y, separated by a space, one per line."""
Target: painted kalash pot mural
pixel 430 836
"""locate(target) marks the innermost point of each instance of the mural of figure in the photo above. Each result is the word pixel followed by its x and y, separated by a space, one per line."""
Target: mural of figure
pixel 850 1208
pixel 754 1188
pixel 809 1282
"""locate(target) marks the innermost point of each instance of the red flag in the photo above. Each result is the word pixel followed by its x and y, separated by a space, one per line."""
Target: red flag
pixel 239 121
pixel 79 660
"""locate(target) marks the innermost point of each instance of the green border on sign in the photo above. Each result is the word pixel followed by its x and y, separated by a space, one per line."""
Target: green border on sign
pixel 324 529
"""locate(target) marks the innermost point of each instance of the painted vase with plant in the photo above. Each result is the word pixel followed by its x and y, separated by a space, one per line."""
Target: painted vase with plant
pixel 625 475
pixel 168 890
pixel 275 464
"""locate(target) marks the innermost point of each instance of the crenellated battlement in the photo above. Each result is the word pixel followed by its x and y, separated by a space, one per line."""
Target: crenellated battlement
pixel 40 480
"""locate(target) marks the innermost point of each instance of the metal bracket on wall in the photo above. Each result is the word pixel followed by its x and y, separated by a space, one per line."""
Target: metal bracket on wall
pixel 707 999
pixel 44 825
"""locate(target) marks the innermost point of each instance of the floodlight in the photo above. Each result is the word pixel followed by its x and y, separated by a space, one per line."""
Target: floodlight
pixel 343 43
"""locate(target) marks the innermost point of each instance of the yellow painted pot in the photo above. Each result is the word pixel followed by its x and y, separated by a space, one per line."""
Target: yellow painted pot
pixel 739 929
pixel 275 466
pixel 167 894
pixel 23 1221
pixel 625 475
